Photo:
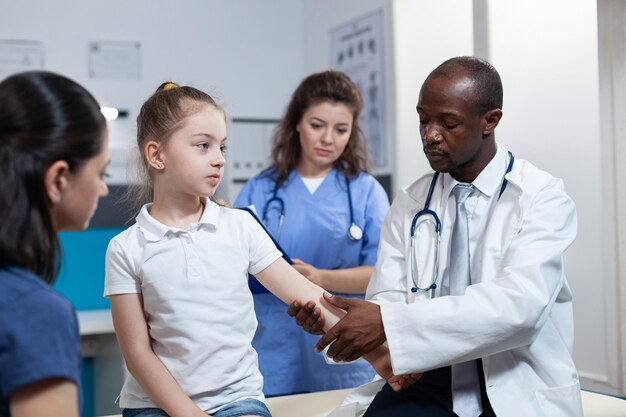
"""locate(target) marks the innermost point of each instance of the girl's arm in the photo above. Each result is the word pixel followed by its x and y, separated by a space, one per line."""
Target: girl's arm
pixel 347 281
pixel 132 334
pixel 288 285
pixel 54 397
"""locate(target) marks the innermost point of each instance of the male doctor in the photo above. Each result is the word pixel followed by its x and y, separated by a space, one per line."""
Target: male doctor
pixel 489 324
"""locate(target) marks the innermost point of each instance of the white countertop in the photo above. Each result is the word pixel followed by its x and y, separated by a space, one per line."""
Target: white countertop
pixel 93 322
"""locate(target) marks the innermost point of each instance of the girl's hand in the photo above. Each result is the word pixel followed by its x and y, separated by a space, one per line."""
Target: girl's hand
pixel 307 316
pixel 398 383
pixel 381 362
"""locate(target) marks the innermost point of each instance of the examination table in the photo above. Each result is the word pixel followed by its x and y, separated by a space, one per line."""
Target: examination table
pixel 320 404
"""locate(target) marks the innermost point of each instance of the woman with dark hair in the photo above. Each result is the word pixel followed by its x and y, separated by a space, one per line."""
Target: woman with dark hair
pixel 53 159
pixel 325 211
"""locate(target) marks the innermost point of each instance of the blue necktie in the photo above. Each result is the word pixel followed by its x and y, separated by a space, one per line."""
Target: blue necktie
pixel 465 384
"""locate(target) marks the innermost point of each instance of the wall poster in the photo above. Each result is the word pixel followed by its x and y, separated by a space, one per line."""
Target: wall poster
pixel 20 55
pixel 356 48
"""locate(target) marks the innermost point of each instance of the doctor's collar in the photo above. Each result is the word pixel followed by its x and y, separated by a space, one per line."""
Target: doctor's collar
pixel 490 178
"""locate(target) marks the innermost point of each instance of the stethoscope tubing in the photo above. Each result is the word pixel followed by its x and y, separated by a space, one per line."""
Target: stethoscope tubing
pixel 426 211
pixel 281 210
pixel 354 231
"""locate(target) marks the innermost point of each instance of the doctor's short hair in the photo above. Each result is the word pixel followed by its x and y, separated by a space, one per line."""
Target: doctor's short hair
pixel 327 86
pixel 487 82
pixel 44 118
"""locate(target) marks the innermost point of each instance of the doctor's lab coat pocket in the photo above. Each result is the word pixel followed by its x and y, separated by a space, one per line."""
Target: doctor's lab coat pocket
pixel 560 401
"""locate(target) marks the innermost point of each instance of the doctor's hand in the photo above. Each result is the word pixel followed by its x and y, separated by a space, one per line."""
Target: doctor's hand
pixel 308 316
pixel 316 276
pixel 360 331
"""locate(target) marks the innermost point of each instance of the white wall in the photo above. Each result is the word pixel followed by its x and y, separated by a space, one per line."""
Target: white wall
pixel 425 34
pixel 247 52
pixel 612 57
pixel 320 16
pixel 547 55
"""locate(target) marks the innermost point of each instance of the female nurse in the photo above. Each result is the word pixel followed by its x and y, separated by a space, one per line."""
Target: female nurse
pixel 325 211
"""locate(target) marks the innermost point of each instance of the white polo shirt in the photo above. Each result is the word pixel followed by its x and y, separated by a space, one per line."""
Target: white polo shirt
pixel 196 299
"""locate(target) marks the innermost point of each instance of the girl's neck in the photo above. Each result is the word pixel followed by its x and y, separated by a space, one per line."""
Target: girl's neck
pixel 176 210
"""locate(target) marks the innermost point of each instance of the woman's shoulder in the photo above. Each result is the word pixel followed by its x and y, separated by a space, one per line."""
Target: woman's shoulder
pixel 268 175
pixel 17 282
pixel 22 292
pixel 366 178
pixel 257 188
pixel 368 183
pixel 39 334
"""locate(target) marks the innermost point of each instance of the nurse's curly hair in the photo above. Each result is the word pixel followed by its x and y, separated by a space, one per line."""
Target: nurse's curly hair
pixel 44 118
pixel 327 86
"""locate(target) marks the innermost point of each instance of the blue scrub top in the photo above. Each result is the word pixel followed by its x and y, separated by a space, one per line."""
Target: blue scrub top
pixel 38 335
pixel 315 230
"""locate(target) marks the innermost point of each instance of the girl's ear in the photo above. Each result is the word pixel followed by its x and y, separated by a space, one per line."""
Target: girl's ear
pixel 56 181
pixel 152 153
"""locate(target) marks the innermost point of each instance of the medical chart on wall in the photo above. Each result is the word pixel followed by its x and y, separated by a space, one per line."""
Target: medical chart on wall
pixel 356 48
pixel 20 55
pixel 115 59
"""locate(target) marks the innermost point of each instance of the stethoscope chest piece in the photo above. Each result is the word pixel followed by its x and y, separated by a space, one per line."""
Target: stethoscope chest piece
pixel 355 232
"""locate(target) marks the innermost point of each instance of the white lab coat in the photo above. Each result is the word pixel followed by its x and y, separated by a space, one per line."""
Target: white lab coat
pixel 518 318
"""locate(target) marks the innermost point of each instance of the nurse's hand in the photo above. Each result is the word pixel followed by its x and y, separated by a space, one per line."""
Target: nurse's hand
pixel 307 316
pixel 310 272
pixel 359 332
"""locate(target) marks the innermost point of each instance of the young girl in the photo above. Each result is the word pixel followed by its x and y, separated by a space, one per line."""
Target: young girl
pixel 178 278
pixel 53 157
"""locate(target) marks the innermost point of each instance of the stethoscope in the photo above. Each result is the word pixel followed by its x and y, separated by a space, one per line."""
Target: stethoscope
pixel 354 231
pixel 425 215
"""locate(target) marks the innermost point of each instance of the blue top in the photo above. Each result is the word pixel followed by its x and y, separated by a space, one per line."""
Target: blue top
pixel 315 230
pixel 38 334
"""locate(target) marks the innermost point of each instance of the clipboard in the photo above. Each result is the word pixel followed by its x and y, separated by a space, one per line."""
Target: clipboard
pixel 255 286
